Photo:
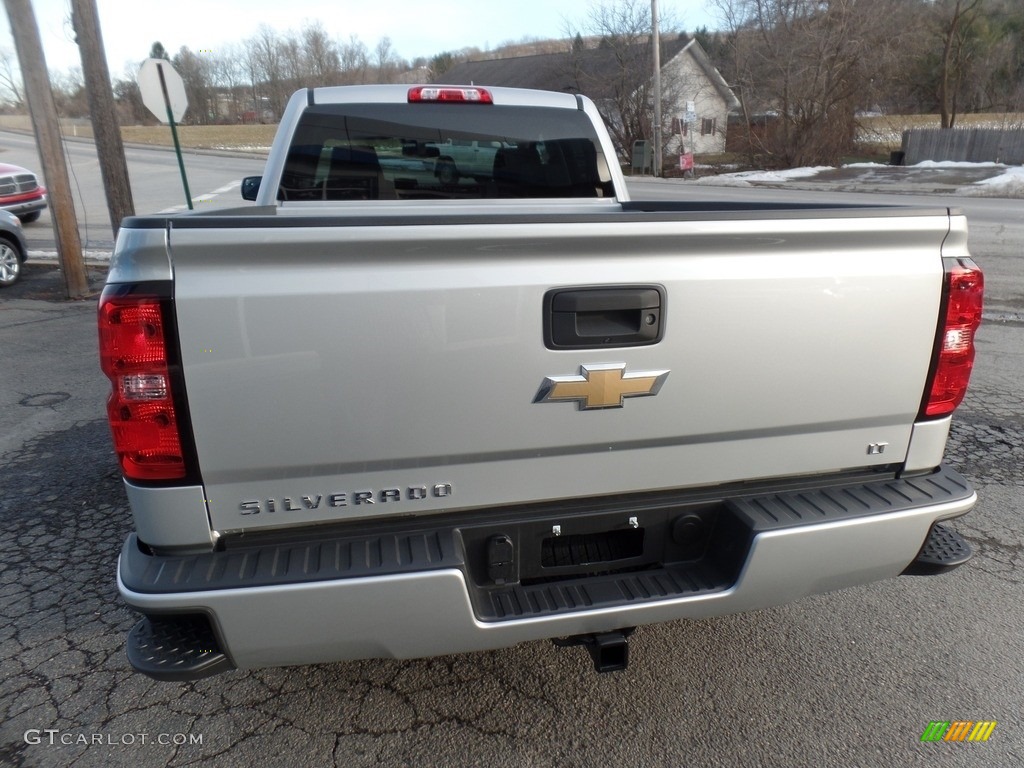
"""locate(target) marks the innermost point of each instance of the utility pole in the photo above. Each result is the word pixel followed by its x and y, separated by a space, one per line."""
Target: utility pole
pixel 102 112
pixel 44 122
pixel 655 35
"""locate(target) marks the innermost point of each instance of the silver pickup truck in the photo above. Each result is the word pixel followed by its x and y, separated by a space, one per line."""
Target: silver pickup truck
pixel 376 415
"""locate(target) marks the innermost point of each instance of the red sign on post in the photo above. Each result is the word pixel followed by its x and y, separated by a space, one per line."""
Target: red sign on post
pixel 686 161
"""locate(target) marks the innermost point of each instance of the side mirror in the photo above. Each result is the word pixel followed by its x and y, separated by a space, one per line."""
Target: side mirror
pixel 251 187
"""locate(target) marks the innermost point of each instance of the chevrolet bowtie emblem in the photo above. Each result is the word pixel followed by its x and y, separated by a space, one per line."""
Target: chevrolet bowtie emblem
pixel 600 386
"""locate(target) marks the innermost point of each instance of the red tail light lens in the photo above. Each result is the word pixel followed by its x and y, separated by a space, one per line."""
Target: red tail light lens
pixel 446 93
pixel 141 409
pixel 954 353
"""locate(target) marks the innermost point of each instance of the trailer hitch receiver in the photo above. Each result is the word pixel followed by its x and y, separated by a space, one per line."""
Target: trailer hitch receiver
pixel 609 650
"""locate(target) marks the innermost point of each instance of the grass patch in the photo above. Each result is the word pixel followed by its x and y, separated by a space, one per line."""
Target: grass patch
pixel 243 137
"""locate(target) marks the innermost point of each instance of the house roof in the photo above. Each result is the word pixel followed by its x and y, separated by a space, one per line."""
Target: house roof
pixel 595 71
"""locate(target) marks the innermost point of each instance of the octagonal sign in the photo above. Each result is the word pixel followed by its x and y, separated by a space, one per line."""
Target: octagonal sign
pixel 153 94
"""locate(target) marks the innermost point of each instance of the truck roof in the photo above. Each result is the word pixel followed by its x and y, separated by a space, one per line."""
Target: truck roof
pixel 399 94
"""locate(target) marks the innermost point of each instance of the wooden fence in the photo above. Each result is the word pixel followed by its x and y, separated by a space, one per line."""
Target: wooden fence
pixel 973 145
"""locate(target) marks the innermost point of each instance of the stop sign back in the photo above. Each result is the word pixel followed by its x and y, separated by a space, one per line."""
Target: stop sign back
pixel 152 93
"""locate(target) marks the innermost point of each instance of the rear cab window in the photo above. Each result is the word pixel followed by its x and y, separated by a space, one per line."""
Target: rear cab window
pixel 430 151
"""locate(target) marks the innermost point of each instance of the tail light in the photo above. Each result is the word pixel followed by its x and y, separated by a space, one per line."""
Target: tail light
pixel 953 358
pixel 146 412
pixel 448 93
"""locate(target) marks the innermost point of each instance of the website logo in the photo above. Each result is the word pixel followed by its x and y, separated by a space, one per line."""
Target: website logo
pixel 959 730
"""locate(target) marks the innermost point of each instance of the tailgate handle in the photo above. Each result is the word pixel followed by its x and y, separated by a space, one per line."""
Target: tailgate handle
pixel 594 318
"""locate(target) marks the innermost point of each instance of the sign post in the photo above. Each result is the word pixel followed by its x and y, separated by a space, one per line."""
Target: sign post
pixel 163 93
pixel 686 159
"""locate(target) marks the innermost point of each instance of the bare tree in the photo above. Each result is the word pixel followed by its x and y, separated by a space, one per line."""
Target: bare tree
pixel 387 63
pixel 10 79
pixel 1006 69
pixel 322 57
pixel 250 65
pixel 227 75
pixel 956 19
pixel 355 61
pixel 128 99
pixel 265 64
pixel 69 94
pixel 805 66
pixel 293 62
pixel 195 72
pixel 961 57
pixel 615 67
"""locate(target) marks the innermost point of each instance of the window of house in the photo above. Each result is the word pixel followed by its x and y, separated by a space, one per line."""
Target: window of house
pixel 680 126
pixel 707 126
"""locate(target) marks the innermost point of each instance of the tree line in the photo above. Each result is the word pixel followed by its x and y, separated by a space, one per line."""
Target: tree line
pixel 245 81
pixel 251 81
pixel 804 69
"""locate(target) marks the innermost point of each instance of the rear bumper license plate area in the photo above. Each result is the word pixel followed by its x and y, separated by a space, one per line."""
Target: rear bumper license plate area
pixel 579 556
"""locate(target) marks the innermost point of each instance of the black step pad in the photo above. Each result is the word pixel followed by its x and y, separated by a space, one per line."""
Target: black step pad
pixel 943 550
pixel 175 648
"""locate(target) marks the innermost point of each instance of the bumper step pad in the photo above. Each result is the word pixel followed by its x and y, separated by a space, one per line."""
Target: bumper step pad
pixel 175 648
pixel 943 550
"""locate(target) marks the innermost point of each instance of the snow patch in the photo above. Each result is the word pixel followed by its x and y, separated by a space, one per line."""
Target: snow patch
pixel 1010 183
pixel 724 180
pixel 744 178
pixel 954 164
pixel 785 175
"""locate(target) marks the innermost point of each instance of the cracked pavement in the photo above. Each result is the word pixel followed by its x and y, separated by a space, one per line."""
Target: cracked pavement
pixel 848 678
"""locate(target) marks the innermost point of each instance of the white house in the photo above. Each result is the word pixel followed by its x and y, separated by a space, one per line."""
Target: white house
pixel 696 100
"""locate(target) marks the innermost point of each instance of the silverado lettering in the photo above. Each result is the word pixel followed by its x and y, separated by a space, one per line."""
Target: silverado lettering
pixel 817 355
pixel 288 504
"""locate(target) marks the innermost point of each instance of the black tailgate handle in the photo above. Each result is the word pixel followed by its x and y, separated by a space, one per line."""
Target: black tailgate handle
pixel 609 316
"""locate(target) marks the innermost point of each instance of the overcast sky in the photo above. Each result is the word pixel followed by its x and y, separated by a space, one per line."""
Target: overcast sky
pixel 416 28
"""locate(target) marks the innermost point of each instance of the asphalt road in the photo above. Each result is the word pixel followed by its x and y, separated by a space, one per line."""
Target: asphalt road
pixel 213 178
pixel 844 679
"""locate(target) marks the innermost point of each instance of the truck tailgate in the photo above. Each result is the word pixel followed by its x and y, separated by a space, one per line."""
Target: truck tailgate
pixel 343 370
